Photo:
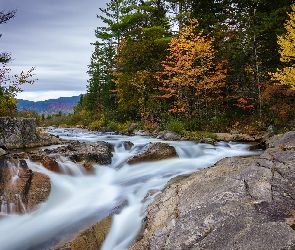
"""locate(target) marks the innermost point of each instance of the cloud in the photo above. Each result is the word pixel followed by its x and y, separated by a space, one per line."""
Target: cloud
pixel 55 37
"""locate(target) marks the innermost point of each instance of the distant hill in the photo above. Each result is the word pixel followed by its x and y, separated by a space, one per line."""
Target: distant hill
pixel 51 106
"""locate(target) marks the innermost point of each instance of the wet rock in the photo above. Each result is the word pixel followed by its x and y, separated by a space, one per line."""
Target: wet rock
pixel 142 133
pixel 48 162
pixel 94 152
pixel 131 128
pixel 154 152
pixel 240 203
pixel 91 238
pixel 21 188
pixel 171 136
pixel 127 145
pixel 2 152
pixel 85 154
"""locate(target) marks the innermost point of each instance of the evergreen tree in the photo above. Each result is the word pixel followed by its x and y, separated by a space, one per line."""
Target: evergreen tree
pixel 139 56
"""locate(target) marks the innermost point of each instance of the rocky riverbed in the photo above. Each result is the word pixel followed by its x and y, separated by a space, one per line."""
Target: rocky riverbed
pixel 239 203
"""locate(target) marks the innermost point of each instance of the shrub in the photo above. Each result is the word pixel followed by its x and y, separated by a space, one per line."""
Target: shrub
pixel 175 126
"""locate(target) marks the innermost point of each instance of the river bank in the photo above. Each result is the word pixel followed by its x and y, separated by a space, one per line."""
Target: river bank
pixel 239 203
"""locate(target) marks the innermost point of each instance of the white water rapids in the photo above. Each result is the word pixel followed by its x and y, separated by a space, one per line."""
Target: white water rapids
pixel 79 200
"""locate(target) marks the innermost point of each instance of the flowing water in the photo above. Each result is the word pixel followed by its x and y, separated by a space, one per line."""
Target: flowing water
pixel 77 200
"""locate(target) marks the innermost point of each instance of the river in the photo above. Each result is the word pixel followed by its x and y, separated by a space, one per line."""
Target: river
pixel 79 200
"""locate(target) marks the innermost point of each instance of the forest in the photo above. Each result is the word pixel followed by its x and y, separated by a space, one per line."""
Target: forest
pixel 201 65
pixel 184 65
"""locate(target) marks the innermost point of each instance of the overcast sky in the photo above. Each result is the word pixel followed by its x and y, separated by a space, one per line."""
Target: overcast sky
pixel 54 36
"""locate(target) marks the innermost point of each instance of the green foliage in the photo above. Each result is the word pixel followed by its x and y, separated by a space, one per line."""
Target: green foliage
pixel 118 126
pixel 97 124
pixel 175 126
pixel 198 135
pixel 192 125
pixel 137 37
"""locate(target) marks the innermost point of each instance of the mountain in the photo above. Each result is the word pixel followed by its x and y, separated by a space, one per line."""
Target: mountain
pixel 51 106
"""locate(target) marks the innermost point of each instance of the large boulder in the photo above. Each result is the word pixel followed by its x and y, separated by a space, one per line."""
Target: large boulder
pixel 240 203
pixel 21 133
pixel 21 189
pixel 91 238
pixel 86 154
pixel 154 152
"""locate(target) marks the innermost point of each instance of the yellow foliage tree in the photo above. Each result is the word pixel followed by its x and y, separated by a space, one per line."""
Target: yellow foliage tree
pixel 286 76
pixel 10 85
pixel 191 77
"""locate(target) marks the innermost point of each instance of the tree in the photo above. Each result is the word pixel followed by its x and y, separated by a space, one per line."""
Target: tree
pixel 139 57
pixel 286 76
pixel 191 77
pixel 10 85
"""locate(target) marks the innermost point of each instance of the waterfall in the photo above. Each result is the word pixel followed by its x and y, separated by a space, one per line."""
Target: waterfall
pixel 3 208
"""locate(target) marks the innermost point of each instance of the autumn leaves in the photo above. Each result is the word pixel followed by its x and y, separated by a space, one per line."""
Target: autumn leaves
pixel 190 76
pixel 286 76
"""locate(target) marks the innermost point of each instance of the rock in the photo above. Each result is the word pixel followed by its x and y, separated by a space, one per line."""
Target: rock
pixel 127 145
pixel 48 162
pixel 21 133
pixel 91 238
pixel 94 152
pixel 2 152
pixel 238 137
pixel 142 133
pixel 240 203
pixel 286 140
pixel 21 186
pixel 154 152
pixel 131 128
pixel 171 136
pixel 86 154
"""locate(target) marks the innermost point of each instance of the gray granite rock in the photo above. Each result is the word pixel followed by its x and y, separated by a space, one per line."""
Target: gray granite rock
pixel 239 203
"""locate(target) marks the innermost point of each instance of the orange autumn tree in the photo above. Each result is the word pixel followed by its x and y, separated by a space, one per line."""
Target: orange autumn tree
pixel 191 78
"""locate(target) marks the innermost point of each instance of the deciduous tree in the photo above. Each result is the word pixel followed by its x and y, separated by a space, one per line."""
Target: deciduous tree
pixel 286 76
pixel 191 77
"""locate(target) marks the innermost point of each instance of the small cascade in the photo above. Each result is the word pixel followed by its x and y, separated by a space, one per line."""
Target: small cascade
pixel 123 146
pixel 20 207
pixel 14 172
pixel 70 168
pixel 4 210
pixel 12 208
pixel 189 151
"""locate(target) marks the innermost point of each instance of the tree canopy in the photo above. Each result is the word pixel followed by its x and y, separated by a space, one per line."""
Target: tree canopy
pixel 205 62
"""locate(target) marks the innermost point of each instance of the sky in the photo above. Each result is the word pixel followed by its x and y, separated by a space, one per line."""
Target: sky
pixel 54 36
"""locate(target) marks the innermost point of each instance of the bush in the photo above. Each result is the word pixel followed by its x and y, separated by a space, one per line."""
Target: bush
pixel 175 126
pixel 95 125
